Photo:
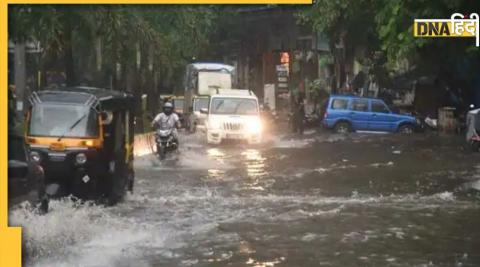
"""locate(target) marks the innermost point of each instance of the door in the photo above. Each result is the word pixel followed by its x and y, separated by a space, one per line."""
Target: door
pixel 359 114
pixel 381 120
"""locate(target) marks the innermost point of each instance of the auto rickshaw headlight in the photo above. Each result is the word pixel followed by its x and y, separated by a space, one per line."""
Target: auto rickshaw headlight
pixel 81 158
pixel 35 156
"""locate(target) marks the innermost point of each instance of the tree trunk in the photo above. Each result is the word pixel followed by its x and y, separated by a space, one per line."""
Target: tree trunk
pixel 98 76
pixel 68 56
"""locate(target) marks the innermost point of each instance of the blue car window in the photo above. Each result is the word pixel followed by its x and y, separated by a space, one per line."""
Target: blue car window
pixel 380 107
pixel 339 103
pixel 360 105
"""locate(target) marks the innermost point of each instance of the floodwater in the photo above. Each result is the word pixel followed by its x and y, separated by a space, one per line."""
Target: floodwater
pixel 319 200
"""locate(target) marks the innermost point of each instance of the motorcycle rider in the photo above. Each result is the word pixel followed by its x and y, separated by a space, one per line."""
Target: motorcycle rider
pixel 167 120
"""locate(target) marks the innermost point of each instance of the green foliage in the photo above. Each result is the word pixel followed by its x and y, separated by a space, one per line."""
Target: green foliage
pixel 386 26
pixel 175 34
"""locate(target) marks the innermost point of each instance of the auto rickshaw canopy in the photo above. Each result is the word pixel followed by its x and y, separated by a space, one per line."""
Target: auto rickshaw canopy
pixel 98 98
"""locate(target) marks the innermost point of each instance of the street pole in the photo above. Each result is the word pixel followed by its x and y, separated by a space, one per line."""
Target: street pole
pixel 20 76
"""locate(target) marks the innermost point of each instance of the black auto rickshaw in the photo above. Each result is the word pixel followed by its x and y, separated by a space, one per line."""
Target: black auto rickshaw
pixel 473 129
pixel 83 139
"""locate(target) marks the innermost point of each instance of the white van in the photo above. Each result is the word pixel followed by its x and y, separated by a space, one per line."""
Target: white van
pixel 233 114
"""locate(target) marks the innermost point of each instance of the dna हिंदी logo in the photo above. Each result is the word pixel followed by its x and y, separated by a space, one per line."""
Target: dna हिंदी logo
pixel 458 25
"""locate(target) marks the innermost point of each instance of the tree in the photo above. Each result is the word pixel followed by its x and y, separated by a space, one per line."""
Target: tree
pixel 348 24
pixel 96 40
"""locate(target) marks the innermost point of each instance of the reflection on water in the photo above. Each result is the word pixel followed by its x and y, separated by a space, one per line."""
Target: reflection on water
pixel 255 163
pixel 252 159
pixel 255 263
pixel 255 167
pixel 215 174
pixel 216 153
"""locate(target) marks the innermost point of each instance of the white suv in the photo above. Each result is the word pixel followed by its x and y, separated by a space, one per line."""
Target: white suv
pixel 233 114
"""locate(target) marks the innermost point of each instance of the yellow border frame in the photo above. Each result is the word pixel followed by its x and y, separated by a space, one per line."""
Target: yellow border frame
pixel 10 237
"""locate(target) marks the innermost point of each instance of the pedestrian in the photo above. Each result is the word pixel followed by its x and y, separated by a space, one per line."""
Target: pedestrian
pixel 300 116
pixel 12 109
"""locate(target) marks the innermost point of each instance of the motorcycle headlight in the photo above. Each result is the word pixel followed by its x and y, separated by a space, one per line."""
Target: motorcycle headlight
pixel 254 126
pixel 35 156
pixel 81 158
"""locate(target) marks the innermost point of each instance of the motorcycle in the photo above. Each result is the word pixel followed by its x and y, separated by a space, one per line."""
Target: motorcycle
pixel 166 142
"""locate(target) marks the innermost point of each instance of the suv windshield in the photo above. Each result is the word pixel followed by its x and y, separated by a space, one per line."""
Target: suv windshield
pixel 234 106
pixel 63 120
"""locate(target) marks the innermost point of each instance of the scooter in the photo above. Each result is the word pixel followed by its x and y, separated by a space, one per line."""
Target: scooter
pixel 165 142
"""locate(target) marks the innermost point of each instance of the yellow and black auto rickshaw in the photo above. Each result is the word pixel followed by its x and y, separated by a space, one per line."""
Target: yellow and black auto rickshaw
pixel 83 139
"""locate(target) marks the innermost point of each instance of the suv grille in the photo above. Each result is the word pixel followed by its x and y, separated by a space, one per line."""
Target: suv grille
pixel 232 126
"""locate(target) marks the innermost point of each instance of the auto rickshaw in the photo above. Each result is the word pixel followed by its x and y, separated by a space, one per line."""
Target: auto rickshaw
pixel 473 129
pixel 83 139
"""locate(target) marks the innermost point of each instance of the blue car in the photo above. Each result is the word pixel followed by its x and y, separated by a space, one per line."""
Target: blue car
pixel 350 113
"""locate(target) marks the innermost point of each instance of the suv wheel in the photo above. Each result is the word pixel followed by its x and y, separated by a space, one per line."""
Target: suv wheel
pixel 406 129
pixel 342 127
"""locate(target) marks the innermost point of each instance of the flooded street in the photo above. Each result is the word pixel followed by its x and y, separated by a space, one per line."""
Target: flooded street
pixel 322 200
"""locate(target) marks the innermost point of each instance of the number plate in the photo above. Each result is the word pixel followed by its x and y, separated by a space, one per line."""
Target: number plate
pixel 57 147
pixel 234 136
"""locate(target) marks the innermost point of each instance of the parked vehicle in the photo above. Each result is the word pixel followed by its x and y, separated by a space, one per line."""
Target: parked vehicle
pixel 201 79
pixel 198 119
pixel 233 115
pixel 178 106
pixel 473 129
pixel 350 113
pixel 83 139
pixel 25 177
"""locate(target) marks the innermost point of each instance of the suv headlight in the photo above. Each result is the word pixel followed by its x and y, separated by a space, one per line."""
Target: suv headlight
pixel 81 158
pixel 254 126
pixel 35 156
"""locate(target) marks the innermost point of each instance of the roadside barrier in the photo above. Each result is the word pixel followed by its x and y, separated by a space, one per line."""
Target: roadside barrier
pixel 143 144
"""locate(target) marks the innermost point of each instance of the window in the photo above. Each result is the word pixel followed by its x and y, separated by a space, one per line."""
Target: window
pixel 63 120
pixel 339 103
pixel 360 105
pixel 234 106
pixel 379 107
pixel 178 104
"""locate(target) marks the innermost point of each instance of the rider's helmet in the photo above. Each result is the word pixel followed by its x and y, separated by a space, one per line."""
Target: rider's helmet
pixel 168 108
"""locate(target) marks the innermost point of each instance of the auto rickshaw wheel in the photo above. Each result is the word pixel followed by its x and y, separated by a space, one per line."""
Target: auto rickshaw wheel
pixel 131 181
pixel 43 205
pixel 118 186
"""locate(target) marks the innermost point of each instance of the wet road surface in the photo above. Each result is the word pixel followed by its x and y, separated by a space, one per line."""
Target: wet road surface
pixel 323 200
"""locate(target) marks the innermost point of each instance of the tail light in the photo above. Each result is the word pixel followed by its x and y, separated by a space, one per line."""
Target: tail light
pixel 325 115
